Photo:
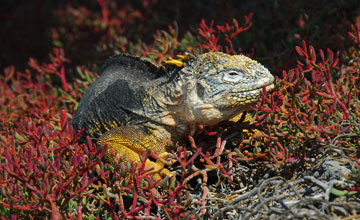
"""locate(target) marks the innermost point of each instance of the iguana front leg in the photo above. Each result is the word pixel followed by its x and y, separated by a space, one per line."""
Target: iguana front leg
pixel 129 141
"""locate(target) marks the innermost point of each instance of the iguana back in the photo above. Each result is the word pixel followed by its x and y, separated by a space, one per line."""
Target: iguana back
pixel 115 98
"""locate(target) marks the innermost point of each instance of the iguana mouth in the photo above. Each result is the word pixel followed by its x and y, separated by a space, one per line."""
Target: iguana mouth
pixel 239 98
pixel 268 88
pixel 248 96
pixel 255 91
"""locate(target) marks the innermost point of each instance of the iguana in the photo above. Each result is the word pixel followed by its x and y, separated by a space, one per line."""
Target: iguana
pixel 135 105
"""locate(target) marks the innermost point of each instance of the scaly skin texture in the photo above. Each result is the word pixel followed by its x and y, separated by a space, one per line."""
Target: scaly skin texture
pixel 134 105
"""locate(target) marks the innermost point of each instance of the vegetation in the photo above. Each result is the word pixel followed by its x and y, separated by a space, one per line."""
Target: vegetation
pixel 298 158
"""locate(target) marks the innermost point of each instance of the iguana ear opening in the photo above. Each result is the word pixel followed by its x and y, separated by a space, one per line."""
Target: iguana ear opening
pixel 200 89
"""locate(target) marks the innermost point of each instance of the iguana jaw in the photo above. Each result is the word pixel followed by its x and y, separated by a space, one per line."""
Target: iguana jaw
pixel 237 99
pixel 198 111
pixel 234 107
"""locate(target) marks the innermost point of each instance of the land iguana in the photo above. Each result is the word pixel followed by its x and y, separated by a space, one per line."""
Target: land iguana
pixel 135 105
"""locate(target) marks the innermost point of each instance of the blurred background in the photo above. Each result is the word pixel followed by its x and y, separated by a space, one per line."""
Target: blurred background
pixel 91 30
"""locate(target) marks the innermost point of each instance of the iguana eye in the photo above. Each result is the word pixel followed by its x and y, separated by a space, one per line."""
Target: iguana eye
pixel 232 76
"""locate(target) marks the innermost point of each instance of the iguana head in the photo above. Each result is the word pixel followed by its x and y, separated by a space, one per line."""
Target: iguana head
pixel 218 86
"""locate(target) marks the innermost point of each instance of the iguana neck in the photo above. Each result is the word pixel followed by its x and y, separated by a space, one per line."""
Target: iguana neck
pixel 176 104
pixel 165 104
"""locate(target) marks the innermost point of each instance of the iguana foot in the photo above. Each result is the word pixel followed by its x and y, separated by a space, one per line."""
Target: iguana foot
pixel 129 141
pixel 158 172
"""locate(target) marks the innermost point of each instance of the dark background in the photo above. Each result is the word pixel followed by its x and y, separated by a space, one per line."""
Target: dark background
pixel 278 26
